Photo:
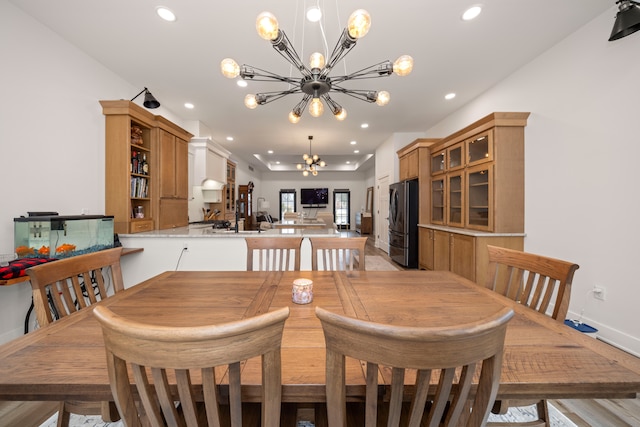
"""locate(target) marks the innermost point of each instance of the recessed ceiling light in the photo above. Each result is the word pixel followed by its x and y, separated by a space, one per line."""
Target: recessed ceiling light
pixel 229 138
pixel 270 151
pixel 165 14
pixel 348 162
pixel 188 105
pixel 471 13
pixel 241 83
pixel 364 125
pixel 450 95
pixel 314 14
pixel 353 142
pixel 277 163
pixel 356 151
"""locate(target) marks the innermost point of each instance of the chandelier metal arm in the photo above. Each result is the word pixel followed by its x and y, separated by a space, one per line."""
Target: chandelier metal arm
pixel 341 49
pixel 248 72
pixel 283 46
pixel 267 97
pixel 363 95
pixel 300 106
pixel 335 107
pixel 381 69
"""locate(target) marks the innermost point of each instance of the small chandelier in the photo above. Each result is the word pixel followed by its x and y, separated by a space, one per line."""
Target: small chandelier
pixel 311 162
pixel 315 83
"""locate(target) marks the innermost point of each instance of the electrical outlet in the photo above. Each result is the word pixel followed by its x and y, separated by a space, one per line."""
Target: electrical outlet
pixel 185 247
pixel 599 293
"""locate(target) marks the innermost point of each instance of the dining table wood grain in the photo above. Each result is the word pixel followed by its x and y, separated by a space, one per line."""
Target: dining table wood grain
pixel 543 358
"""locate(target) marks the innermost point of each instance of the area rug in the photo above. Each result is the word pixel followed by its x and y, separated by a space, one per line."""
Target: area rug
pixel 526 413
pixel 377 263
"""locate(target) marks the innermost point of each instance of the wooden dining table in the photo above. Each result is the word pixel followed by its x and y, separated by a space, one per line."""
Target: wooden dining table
pixel 543 358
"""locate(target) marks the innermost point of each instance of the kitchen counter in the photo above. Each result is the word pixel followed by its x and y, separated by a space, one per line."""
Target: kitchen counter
pixel 200 247
pixel 206 230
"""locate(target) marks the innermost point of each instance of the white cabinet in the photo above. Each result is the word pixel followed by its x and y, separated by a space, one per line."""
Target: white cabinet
pixel 209 163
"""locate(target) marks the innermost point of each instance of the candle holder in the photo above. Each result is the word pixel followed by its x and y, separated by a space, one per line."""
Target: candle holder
pixel 302 291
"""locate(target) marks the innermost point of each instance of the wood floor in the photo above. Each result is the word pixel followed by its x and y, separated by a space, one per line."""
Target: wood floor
pixel 584 413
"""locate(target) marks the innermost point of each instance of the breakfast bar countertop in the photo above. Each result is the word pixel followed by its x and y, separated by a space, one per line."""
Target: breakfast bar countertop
pixel 206 230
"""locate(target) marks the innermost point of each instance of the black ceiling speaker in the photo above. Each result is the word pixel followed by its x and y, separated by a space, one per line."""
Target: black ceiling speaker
pixel 627 19
pixel 149 100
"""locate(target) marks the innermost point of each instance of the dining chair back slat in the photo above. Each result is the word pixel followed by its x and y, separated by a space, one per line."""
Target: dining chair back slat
pixel 451 356
pixel 172 355
pixel 338 253
pixel 273 253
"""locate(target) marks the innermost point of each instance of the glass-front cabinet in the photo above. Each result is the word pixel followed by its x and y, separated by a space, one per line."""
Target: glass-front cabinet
pixel 438 162
pixel 479 198
pixel 480 149
pixel 455 212
pixel 455 158
pixel 437 201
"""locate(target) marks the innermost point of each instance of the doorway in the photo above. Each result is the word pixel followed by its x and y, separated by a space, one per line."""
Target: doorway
pixel 382 224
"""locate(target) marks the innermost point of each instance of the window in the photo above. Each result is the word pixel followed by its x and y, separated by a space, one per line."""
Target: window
pixel 287 202
pixel 342 208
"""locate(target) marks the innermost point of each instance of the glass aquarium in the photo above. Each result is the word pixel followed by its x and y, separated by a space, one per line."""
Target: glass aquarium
pixel 59 236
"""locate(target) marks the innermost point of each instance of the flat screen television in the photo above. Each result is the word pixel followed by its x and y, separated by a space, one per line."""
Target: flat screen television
pixel 314 196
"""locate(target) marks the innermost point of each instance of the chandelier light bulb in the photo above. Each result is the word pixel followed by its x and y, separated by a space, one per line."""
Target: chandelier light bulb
pixel 315 157
pixel 314 173
pixel 316 108
pixel 305 172
pixel 309 160
pixel 229 68
pixel 342 114
pixel 403 65
pixel 359 23
pixel 267 26
pixel 250 101
pixel 305 156
pixel 383 98
pixel 299 166
pixel 322 163
pixel 316 60
pixel 293 117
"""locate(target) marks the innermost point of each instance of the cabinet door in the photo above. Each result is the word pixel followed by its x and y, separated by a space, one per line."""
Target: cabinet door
pixel 438 162
pixel 425 253
pixel 182 169
pixel 455 201
pixel 455 157
pixel 480 149
pixel 440 250
pixel 167 165
pixel 462 259
pixel 437 201
pixel 479 202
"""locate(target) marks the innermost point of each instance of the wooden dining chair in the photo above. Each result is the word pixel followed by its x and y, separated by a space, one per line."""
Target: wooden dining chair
pixel 172 355
pixel 338 253
pixel 65 286
pixel 273 253
pixel 449 356
pixel 538 282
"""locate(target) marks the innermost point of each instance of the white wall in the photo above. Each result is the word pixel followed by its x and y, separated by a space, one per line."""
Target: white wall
pixel 582 151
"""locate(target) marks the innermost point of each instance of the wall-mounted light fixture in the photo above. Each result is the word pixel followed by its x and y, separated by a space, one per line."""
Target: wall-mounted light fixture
pixel 149 100
pixel 627 19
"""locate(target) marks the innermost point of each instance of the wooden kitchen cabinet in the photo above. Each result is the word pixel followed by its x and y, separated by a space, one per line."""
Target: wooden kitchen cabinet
pixel 409 165
pixel 174 175
pixel 245 205
pixel 138 160
pixel 415 162
pixel 130 171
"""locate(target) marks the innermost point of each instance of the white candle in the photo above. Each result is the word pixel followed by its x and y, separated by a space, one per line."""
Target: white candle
pixel 302 291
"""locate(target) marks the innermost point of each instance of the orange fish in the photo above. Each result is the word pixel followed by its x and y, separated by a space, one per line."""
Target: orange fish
pixel 66 247
pixel 24 251
pixel 44 250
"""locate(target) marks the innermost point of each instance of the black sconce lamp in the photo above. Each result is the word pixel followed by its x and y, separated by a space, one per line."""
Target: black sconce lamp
pixel 149 100
pixel 627 19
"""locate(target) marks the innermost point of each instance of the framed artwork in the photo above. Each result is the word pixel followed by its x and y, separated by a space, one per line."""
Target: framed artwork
pixel 369 205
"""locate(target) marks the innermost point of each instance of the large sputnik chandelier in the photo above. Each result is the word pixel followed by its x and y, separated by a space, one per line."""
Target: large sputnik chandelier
pixel 315 83
pixel 311 162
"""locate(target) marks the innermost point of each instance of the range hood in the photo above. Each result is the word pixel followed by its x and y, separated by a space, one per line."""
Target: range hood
pixel 210 184
pixel 209 166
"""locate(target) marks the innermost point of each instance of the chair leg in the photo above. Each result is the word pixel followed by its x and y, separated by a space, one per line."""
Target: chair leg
pixel 543 412
pixel 109 412
pixel 63 415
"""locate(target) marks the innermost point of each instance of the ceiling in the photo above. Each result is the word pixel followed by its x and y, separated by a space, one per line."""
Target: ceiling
pixel 180 62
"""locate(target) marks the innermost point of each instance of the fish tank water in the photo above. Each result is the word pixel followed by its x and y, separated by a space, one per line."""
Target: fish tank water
pixel 58 236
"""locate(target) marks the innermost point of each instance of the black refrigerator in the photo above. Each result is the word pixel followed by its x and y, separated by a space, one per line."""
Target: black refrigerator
pixel 403 223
